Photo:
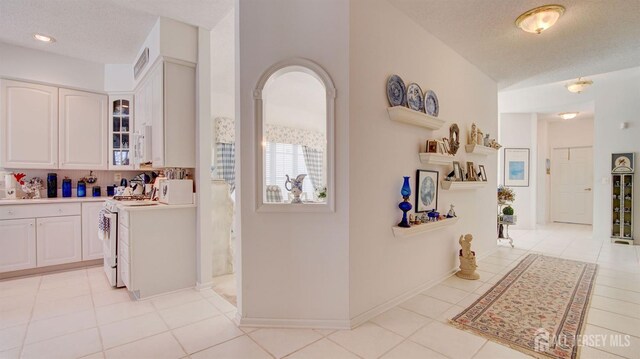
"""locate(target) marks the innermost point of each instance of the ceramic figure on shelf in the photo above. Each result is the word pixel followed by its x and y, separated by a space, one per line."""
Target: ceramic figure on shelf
pixel 473 134
pixel 424 218
pixel 295 187
pixel 451 212
pixel 486 140
pixel 9 186
pixel 480 138
pixel 467 259
pixel 405 206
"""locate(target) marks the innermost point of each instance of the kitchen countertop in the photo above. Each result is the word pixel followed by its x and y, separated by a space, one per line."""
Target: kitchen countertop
pixel 155 207
pixel 52 200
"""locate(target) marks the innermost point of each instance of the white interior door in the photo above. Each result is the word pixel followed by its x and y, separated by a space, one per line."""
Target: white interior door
pixel 572 185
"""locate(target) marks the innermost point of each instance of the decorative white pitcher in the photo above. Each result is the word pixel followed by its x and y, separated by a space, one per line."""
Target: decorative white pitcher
pixel 295 187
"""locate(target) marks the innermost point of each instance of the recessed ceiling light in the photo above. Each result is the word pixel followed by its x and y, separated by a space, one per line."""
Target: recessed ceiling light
pixel 44 38
pixel 568 115
pixel 539 19
pixel 579 85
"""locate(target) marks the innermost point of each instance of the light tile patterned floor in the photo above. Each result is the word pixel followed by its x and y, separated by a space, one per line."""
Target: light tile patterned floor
pixel 76 314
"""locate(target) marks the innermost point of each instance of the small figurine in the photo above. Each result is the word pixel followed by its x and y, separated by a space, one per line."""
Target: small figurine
pixel 451 212
pixel 295 187
pixel 473 134
pixel 486 140
pixel 467 259
pixel 424 218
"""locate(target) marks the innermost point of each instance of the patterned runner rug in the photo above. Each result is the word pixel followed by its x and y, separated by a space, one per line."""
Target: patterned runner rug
pixel 538 308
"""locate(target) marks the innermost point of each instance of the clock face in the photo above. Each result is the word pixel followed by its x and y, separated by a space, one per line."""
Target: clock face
pixel 622 163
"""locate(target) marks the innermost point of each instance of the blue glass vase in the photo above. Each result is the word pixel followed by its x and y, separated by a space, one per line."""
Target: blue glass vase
pixel 66 187
pixel 81 190
pixel 405 206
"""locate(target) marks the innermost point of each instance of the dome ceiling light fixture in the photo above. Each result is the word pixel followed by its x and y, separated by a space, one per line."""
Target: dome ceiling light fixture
pixel 579 85
pixel 568 115
pixel 539 19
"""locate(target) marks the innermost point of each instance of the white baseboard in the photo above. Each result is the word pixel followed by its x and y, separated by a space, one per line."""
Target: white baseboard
pixel 377 310
pixel 203 286
pixel 293 323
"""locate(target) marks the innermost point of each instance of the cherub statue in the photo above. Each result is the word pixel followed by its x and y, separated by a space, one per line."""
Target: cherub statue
pixel 467 259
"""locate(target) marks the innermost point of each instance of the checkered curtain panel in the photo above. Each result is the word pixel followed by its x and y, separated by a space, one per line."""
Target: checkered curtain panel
pixel 274 194
pixel 226 162
pixel 313 159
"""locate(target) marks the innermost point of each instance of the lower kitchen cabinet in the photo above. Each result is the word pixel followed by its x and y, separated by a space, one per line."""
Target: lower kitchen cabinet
pixel 17 244
pixel 58 240
pixel 91 243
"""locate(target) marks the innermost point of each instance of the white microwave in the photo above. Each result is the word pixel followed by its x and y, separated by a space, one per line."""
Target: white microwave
pixel 176 191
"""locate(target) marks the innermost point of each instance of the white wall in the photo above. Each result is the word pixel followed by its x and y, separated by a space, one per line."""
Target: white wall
pixel 40 66
pixel 383 269
pixel 223 65
pixel 543 180
pixel 617 99
pixel 519 130
pixel 614 98
pixel 118 77
pixel 294 265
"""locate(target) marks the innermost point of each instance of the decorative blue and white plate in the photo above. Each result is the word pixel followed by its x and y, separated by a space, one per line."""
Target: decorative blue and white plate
pixel 415 99
pixel 431 103
pixel 396 91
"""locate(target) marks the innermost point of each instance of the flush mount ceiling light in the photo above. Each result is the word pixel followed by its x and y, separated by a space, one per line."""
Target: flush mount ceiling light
pixel 579 86
pixel 539 19
pixel 43 38
pixel 568 115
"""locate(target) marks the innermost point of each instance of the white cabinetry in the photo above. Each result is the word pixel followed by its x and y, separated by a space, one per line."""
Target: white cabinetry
pixel 28 125
pixel 58 240
pixel 165 99
pixel 83 130
pixel 120 132
pixel 91 243
pixel 40 235
pixel 17 244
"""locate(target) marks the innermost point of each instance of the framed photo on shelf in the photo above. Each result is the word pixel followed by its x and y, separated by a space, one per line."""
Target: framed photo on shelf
pixel 446 145
pixel 432 146
pixel 483 173
pixel 426 190
pixel 471 172
pixel 457 171
pixel 516 167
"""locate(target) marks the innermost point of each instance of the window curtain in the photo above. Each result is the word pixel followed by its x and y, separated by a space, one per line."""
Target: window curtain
pixel 226 163
pixel 313 159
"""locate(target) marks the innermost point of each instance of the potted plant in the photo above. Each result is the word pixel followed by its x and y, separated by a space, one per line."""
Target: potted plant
pixel 505 194
pixel 507 214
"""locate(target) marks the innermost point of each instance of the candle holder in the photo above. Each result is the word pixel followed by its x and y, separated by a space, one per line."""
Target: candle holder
pixel 405 206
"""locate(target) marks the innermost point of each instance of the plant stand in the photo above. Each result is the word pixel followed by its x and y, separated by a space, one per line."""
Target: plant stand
pixel 503 226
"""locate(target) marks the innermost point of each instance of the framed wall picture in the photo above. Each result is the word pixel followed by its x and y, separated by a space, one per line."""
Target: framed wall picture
pixel 516 167
pixel 432 146
pixel 426 190
pixel 483 173
pixel 457 171
pixel 471 172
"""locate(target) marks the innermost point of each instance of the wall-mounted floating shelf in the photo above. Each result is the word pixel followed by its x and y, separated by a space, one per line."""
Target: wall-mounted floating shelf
pixel 461 185
pixel 422 228
pixel 436 159
pixel 411 117
pixel 480 150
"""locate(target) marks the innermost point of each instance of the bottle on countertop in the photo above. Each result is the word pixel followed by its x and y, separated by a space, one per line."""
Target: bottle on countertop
pixel 52 185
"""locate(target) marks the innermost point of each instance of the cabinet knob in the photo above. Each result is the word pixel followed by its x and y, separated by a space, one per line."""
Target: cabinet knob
pixel 10 212
pixel 60 210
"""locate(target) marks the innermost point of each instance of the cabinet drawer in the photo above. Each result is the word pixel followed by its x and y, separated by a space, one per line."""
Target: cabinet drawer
pixel 39 210
pixel 123 234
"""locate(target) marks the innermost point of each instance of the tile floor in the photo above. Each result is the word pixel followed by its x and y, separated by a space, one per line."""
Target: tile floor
pixel 77 315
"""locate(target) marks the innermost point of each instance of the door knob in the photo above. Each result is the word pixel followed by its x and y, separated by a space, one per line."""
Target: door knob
pixel 588 189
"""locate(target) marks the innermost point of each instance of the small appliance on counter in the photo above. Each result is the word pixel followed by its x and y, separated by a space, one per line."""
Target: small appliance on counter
pixel 176 191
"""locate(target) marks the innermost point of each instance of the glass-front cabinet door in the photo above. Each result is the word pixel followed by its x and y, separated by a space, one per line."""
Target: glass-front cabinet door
pixel 121 131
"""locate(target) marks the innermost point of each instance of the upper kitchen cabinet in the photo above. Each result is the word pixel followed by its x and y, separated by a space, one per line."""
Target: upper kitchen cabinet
pixel 167 103
pixel 121 132
pixel 83 130
pixel 28 125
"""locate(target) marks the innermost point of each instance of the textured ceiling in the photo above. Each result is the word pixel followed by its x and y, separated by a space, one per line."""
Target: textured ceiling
pixel 104 31
pixel 592 37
